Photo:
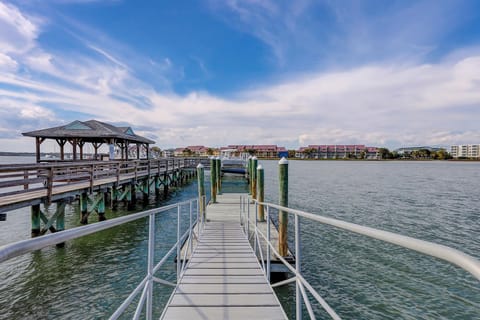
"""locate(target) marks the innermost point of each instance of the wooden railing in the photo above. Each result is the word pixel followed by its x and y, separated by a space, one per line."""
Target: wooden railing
pixel 23 178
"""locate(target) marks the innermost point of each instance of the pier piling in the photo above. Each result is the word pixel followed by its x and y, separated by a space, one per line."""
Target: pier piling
pixel 35 211
pixel 213 179
pixel 283 201
pixel 201 188
pixel 254 177
pixel 260 192
pixel 219 175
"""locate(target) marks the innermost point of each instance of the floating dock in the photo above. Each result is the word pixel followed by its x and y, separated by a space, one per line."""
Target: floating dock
pixel 223 279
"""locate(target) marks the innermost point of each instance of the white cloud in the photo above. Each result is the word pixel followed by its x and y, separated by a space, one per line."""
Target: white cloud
pixel 17 32
pixel 7 63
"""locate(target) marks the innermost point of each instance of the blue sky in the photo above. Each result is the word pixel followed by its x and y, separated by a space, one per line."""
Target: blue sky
pixel 218 72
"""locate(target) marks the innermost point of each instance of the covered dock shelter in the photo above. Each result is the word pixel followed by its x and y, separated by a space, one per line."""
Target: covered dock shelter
pixel 78 133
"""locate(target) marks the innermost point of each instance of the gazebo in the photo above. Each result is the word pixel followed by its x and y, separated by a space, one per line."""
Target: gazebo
pixel 95 132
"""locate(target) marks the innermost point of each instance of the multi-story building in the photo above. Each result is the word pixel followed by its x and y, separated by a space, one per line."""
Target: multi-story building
pixel 260 151
pixel 198 151
pixel 465 151
pixel 337 152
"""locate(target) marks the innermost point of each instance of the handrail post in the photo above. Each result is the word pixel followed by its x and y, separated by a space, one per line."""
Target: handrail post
pixel 178 242
pixel 151 253
pixel 256 223
pixel 190 227
pixel 268 243
pixel 248 219
pixel 298 266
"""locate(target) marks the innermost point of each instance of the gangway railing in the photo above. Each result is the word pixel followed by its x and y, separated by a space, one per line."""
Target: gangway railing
pixel 448 254
pixel 196 222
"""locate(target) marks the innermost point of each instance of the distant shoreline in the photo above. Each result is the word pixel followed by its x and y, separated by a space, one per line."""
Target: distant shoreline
pixel 32 154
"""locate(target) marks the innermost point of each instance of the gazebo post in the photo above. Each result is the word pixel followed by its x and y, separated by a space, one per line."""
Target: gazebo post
pixel 126 150
pixel 38 142
pixel 61 143
pixel 96 145
pixel 74 149
pixel 138 151
pixel 148 151
pixel 81 143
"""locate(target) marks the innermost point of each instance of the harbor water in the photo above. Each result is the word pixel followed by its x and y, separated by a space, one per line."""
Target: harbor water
pixel 360 278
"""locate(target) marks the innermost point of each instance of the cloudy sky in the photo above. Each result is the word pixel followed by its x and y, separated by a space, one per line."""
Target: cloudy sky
pixel 218 72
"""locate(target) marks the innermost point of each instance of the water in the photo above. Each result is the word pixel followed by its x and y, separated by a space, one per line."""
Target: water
pixel 367 279
pixel 359 278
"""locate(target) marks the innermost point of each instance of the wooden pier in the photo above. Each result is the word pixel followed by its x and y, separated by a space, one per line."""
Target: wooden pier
pixel 223 279
pixel 23 185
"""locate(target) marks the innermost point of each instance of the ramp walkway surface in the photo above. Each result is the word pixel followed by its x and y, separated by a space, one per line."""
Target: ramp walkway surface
pixel 223 279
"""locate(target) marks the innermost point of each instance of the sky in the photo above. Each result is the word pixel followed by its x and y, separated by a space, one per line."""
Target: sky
pixel 219 72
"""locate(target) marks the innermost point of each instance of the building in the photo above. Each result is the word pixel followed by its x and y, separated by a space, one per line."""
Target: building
pixel 465 151
pixel 195 151
pixel 337 152
pixel 260 151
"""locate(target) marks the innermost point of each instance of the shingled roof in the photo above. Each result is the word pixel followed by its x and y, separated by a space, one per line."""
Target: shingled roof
pixel 91 130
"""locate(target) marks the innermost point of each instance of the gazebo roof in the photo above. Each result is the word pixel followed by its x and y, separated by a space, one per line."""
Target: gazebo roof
pixel 89 131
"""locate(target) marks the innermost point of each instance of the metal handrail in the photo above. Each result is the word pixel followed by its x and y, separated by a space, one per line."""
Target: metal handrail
pixel 10 251
pixel 451 255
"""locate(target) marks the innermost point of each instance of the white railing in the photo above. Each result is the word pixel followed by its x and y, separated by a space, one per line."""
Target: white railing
pixel 146 285
pixel 453 256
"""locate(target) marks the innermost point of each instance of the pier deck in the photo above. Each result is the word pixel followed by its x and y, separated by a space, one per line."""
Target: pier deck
pixel 223 279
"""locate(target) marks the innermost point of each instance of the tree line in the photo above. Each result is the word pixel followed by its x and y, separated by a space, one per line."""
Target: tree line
pixel 420 154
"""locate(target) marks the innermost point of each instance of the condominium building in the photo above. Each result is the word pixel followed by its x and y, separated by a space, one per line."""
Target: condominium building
pixel 465 151
pixel 337 152
pixel 261 151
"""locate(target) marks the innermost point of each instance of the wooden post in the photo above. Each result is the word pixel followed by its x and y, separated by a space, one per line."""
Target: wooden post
pixel 38 142
pixel 213 180
pixel 83 208
pixel 254 177
pixel 101 207
pixel 165 183
pixel 60 220
pixel 260 192
pixel 74 149
pixel 219 175
pixel 61 143
pixel 35 210
pixel 81 144
pixel 283 201
pixel 201 189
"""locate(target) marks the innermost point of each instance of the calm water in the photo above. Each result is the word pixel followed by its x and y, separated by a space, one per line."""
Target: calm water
pixel 359 278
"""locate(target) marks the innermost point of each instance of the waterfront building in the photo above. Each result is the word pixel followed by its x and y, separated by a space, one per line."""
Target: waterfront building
pixel 197 151
pixel 337 152
pixel 260 151
pixel 465 151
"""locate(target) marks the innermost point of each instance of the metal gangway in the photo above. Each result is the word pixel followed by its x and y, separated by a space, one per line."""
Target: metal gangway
pixel 202 242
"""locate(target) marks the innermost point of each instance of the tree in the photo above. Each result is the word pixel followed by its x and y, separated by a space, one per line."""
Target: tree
pixel 309 152
pixel 291 153
pixel 187 152
pixel 210 151
pixel 384 153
